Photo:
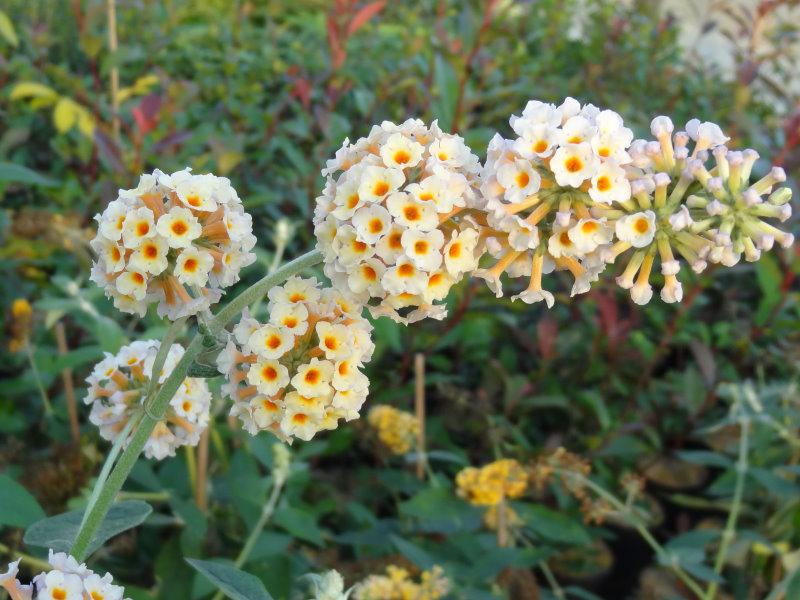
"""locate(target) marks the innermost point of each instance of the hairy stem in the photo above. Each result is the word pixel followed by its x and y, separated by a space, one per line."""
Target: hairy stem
pixel 738 492
pixel 157 405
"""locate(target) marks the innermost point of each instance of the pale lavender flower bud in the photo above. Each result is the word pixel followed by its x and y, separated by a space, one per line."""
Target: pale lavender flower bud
pixel 661 125
pixel 751 197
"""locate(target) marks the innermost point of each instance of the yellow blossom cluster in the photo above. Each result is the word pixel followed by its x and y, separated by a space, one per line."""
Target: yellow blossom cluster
pixel 397 584
pixel 396 429
pixel 491 484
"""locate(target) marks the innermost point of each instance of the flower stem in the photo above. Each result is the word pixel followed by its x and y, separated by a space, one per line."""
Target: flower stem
pixel 266 515
pixel 738 492
pixel 157 405
pixel 637 523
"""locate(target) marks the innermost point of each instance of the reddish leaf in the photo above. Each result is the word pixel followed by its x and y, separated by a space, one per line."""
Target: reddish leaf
pixel 302 89
pixel 146 114
pixel 334 43
pixel 364 15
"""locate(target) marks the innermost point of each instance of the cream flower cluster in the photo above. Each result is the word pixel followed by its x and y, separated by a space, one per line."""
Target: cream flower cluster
pixel 386 220
pixel 117 389
pixel 300 372
pixel 574 191
pixel 178 240
pixel 67 580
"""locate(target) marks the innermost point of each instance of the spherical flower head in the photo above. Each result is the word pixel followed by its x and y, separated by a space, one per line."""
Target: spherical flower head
pixel 118 387
pixel 391 206
pixel 396 429
pixel 300 372
pixel 175 240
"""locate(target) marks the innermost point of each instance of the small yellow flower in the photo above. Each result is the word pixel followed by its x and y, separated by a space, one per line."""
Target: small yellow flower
pixel 500 480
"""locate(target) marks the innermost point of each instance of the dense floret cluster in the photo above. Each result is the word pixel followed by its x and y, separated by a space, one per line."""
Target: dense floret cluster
pixel 177 240
pixel 300 372
pixel 118 389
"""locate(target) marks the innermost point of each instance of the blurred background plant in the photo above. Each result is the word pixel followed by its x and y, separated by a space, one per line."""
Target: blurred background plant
pixel 653 405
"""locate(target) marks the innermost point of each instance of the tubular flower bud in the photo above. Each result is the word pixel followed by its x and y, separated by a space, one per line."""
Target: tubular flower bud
pixel 177 240
pixel 118 388
pixel 392 219
pixel 300 372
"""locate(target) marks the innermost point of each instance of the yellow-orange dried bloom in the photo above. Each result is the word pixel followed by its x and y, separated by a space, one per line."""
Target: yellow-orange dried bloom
pixel 500 480
pixel 396 429
pixel 21 319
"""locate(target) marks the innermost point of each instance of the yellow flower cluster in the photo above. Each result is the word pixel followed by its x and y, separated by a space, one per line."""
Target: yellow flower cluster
pixel 21 320
pixel 398 585
pixel 491 484
pixel 396 429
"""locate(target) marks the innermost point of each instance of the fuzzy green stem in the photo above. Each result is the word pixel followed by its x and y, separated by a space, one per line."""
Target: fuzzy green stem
pixel 157 406
pixel 48 408
pixel 112 456
pixel 738 492
pixel 634 520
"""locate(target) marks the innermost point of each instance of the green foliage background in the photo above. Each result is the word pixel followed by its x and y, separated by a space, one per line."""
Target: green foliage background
pixel 264 92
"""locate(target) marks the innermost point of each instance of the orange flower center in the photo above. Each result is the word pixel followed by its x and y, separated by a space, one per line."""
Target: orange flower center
pixel 435 280
pixel 290 322
pixel 604 152
pixel 523 179
pixel 421 247
pixel 641 225
pixel 269 373
pixel 455 250
pixel 179 227
pixel 190 265
pixel 331 343
pixel 359 246
pixel 603 183
pixel 589 227
pixel 395 241
pixel 401 157
pixel 300 418
pixel 274 342
pixel 380 188
pixel 312 376
pixel 411 213
pixel 115 254
pixel 369 273
pixel 150 251
pixel 142 228
pixel 352 201
pixel 573 164
pixel 425 196
pixel 540 146
pixel 193 200
pixel 405 270
pixel 138 278
pixel 297 297
pixel 564 239
pixel 375 226
pixel 575 139
pixel 59 594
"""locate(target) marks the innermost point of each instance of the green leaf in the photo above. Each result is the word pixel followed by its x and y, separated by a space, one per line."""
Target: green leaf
pixel 439 510
pixel 59 532
pixel 11 173
pixel 7 31
pixel 235 583
pixel 705 457
pixel 552 525
pixel 413 553
pixel 17 507
pixel 299 523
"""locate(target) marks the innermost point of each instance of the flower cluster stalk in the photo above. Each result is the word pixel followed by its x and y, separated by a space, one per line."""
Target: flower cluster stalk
pixel 157 405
